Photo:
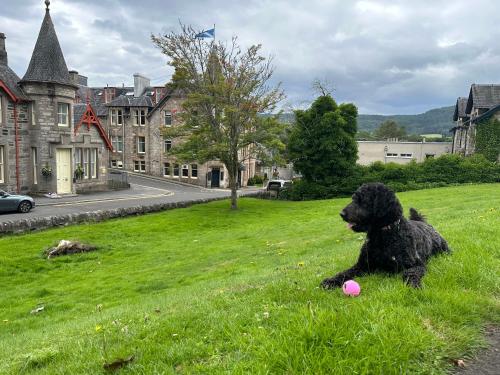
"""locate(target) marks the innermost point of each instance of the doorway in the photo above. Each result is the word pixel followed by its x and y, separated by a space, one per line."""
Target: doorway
pixel 63 163
pixel 215 178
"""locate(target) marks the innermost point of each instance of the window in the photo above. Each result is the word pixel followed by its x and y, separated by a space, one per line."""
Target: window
pixel 167 144
pixel 176 170
pixel 139 117
pixel 2 168
pixel 166 169
pixel 185 171
pixel 391 155
pixel 93 162
pixel 117 142
pixel 85 162
pixel 63 114
pixel 113 164
pixel 116 117
pixel 141 145
pixel 429 156
pixel 194 170
pixel 406 155
pixel 34 162
pixel 139 166
pixel 168 118
pixel 32 113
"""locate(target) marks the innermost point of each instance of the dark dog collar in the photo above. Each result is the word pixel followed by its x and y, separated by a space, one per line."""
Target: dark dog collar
pixel 390 226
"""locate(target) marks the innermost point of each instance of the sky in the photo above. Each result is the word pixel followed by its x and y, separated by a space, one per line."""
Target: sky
pixel 387 57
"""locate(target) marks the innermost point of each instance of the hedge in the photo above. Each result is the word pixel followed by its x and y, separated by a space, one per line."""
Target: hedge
pixel 434 172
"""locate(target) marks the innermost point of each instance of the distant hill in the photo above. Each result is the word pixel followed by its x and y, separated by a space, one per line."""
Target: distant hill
pixel 439 120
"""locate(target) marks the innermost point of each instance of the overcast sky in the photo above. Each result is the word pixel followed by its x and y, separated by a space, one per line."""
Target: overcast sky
pixel 388 57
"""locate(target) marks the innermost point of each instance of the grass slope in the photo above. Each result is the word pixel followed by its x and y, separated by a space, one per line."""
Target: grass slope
pixel 206 290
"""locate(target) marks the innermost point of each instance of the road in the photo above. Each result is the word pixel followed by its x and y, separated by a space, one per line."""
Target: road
pixel 143 191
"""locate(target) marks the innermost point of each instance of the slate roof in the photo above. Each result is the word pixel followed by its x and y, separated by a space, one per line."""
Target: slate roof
pixel 131 101
pixel 78 111
pixel 47 62
pixel 460 109
pixel 10 79
pixel 483 96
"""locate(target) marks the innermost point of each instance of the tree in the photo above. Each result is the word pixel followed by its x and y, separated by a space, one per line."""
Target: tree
pixel 389 129
pixel 226 88
pixel 321 144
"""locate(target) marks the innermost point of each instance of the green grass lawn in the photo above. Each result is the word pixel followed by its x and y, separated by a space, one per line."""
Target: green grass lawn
pixel 207 290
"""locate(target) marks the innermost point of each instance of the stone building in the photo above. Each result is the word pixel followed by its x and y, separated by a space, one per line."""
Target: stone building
pixel 41 150
pixel 134 118
pixel 399 152
pixel 483 102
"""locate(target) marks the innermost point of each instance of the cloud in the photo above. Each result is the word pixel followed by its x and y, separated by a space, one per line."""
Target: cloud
pixel 385 56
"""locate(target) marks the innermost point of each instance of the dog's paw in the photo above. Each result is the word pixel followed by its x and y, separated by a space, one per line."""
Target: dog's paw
pixel 414 283
pixel 331 283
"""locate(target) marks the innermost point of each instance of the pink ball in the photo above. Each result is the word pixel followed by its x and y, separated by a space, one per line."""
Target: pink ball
pixel 351 288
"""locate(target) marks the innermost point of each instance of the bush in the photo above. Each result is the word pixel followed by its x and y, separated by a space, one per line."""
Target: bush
pixel 434 172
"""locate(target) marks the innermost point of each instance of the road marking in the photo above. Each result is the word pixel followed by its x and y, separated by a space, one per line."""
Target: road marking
pixel 108 200
pixel 149 187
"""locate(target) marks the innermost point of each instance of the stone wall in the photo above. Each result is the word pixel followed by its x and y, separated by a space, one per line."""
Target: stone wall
pixel 33 224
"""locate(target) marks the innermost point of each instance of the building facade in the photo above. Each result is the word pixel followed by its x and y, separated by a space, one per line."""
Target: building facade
pixel 399 152
pixel 482 103
pixel 40 148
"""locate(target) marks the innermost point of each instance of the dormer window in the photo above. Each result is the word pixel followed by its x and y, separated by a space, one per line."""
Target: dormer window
pixel 116 117
pixel 168 118
pixel 63 114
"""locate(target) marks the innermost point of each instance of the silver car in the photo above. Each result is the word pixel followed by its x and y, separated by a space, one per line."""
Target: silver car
pixel 14 202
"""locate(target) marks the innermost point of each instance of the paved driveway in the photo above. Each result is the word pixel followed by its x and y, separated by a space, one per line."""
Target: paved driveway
pixel 143 191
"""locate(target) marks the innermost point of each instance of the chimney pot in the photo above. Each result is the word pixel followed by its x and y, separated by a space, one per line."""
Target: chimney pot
pixel 3 52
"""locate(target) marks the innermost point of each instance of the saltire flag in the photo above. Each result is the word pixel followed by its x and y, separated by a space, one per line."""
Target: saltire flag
pixel 206 34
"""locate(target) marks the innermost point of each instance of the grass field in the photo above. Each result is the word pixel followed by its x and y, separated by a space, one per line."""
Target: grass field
pixel 207 290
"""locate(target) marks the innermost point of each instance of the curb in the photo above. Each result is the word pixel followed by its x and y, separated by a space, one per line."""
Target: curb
pixel 41 223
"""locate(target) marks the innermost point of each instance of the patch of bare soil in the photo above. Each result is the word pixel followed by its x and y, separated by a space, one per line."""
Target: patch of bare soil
pixel 487 362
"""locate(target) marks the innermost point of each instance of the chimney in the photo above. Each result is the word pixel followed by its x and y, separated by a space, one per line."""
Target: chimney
pixel 73 77
pixel 140 83
pixel 3 52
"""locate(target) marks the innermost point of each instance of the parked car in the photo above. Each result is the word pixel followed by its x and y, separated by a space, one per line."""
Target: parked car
pixel 277 185
pixel 14 202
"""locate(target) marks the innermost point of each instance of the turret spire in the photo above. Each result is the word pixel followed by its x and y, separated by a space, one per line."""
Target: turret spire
pixel 47 4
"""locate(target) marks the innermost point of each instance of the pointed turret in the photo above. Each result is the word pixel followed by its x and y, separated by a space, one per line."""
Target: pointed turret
pixel 47 62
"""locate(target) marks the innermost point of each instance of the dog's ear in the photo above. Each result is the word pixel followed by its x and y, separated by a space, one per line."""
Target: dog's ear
pixel 386 206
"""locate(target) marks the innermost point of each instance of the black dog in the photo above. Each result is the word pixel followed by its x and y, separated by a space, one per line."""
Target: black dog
pixel 393 244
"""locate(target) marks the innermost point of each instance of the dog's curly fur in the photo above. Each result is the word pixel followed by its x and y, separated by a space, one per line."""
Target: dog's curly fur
pixel 393 243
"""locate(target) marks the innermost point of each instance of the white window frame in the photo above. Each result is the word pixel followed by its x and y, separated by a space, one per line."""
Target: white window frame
pixel 135 115
pixel 32 114
pixel 142 117
pixel 391 155
pixel 93 162
pixel 2 165
pixel 185 168
pixel 139 144
pixel 136 166
pixel 34 161
pixel 407 155
pixel 194 167
pixel 85 163
pixel 167 114
pixel 113 163
pixel 142 164
pixel 117 143
pixel 176 167
pixel 63 115
pixel 116 117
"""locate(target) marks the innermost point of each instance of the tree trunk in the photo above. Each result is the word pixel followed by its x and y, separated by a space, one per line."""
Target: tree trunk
pixel 233 177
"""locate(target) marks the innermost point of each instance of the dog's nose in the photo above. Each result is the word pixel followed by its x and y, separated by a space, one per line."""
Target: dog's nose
pixel 343 214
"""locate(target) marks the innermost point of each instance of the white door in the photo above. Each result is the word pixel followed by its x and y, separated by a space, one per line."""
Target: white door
pixel 63 160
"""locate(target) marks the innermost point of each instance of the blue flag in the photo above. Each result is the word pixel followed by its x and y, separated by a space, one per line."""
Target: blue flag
pixel 206 34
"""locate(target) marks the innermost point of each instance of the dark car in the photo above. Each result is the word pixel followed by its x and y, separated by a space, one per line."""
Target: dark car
pixel 13 202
